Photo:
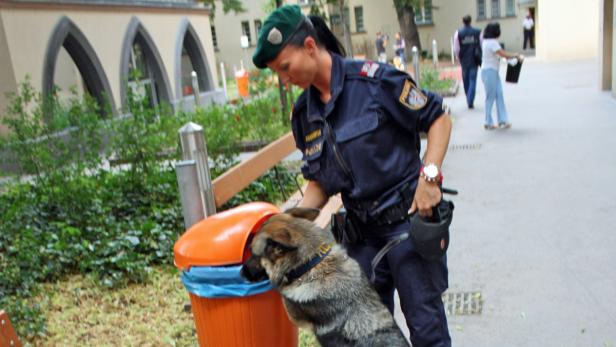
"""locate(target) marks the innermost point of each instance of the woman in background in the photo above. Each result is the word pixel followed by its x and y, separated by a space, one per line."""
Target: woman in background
pixel 492 52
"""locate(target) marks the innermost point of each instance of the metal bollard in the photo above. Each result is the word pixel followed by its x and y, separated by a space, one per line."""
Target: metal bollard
pixel 453 61
pixel 192 203
pixel 415 53
pixel 195 85
pixel 223 73
pixel 194 148
pixel 434 53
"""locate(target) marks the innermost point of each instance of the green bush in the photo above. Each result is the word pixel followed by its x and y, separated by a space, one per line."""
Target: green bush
pixel 430 81
pixel 52 156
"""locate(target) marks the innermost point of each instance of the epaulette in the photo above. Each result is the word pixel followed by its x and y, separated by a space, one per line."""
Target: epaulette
pixel 369 69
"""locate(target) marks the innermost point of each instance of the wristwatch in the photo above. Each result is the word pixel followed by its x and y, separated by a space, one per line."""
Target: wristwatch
pixel 430 173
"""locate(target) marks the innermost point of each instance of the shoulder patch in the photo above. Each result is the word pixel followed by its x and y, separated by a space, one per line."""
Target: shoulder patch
pixel 369 69
pixel 412 97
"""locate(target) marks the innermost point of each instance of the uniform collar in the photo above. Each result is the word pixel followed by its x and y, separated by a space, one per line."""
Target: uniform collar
pixel 315 110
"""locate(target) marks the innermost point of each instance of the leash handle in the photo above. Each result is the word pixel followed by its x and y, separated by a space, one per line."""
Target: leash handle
pixel 388 246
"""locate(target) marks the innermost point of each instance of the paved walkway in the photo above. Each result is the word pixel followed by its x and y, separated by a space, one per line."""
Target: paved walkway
pixel 535 222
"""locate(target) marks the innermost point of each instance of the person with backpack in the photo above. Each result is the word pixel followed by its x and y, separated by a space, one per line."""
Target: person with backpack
pixel 467 47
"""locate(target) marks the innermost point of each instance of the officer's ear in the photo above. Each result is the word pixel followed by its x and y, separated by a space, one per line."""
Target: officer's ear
pixel 310 45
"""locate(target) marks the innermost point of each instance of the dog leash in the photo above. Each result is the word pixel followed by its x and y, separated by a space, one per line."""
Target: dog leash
pixel 388 246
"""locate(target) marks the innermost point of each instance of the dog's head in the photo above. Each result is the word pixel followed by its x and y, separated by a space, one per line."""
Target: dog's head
pixel 284 242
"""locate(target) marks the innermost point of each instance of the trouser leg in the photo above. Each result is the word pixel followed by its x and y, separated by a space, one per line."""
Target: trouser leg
pixel 420 284
pixel 500 102
pixel 487 76
pixel 384 285
pixel 465 79
pixel 472 86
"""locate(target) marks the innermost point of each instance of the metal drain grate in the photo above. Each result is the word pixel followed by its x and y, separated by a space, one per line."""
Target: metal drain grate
pixel 465 147
pixel 462 304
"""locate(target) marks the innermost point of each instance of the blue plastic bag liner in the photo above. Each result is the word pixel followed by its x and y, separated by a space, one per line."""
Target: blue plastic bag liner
pixel 221 282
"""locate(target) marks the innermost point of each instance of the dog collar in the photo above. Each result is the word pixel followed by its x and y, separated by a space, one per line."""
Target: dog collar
pixel 299 271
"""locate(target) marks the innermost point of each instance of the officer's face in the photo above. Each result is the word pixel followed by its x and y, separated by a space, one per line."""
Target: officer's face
pixel 296 65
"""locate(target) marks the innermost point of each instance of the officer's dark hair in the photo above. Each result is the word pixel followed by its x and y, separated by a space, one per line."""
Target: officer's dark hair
pixel 492 31
pixel 466 19
pixel 315 27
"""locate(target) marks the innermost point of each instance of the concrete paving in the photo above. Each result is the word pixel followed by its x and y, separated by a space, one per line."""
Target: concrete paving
pixel 535 223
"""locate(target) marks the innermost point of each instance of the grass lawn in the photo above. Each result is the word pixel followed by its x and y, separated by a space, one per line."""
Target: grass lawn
pixel 80 313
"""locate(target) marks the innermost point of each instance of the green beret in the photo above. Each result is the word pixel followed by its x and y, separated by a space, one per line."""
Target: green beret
pixel 275 32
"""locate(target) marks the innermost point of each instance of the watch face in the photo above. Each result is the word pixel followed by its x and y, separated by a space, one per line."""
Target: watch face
pixel 431 171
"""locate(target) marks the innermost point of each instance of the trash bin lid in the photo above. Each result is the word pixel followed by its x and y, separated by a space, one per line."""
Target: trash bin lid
pixel 221 238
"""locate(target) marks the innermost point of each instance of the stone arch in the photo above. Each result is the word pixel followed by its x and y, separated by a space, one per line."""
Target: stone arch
pixel 187 38
pixel 137 32
pixel 66 34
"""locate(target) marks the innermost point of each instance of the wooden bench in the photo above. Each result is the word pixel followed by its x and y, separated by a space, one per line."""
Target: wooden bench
pixel 8 337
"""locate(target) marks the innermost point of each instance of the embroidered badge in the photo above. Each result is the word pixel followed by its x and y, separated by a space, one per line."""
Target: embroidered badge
pixel 313 135
pixel 314 149
pixel 412 97
pixel 274 37
pixel 369 69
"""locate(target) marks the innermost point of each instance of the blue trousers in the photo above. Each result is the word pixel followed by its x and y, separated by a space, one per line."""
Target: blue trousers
pixel 420 283
pixel 494 93
pixel 469 79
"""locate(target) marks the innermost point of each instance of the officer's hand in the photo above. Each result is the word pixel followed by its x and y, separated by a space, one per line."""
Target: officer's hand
pixel 427 195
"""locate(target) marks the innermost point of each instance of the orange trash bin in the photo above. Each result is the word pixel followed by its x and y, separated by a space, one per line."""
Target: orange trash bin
pixel 241 78
pixel 228 310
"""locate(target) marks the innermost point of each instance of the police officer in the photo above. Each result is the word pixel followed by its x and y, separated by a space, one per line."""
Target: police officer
pixel 467 47
pixel 357 124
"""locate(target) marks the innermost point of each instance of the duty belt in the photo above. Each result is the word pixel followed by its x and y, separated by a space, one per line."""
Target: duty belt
pixel 390 215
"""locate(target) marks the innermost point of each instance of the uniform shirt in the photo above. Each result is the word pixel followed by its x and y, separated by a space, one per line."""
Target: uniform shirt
pixel 528 23
pixel 364 142
pixel 490 60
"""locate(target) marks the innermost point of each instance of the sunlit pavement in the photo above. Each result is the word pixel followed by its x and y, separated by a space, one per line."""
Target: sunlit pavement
pixel 534 231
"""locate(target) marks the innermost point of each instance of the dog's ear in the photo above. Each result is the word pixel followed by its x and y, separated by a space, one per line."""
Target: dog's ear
pixel 304 212
pixel 280 247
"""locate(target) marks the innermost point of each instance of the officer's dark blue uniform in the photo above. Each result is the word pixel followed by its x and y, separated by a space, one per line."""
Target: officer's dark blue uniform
pixel 364 143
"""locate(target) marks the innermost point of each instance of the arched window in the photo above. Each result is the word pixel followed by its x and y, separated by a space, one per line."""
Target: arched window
pixel 141 67
pixel 70 61
pixel 190 57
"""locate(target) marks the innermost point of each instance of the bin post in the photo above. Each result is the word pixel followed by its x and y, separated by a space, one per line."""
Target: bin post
pixel 434 53
pixel 190 197
pixel 194 148
pixel 416 64
pixel 223 73
pixel 195 85
pixel 453 53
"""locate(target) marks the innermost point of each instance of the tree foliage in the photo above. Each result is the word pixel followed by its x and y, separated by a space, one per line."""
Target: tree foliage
pixel 227 6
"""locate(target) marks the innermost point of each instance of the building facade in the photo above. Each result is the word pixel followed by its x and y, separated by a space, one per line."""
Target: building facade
pixel 105 47
pixel 564 29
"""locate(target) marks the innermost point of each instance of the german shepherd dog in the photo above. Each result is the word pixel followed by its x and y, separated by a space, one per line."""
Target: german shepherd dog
pixel 324 290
